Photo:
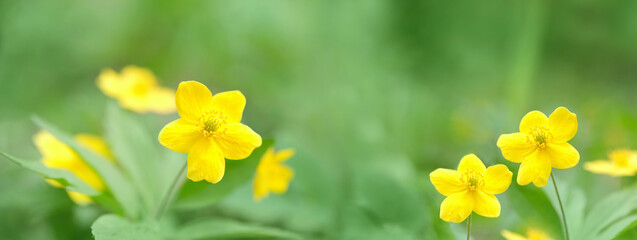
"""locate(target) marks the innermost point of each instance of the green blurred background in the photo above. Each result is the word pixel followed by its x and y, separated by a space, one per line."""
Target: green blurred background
pixel 373 95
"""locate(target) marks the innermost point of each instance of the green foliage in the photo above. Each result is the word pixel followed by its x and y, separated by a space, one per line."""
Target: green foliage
pixel 218 228
pixel 113 227
pixel 135 152
pixel 605 219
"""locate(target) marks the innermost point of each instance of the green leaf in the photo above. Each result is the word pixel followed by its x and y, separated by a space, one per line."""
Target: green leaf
pixel 229 229
pixel 537 208
pixel 66 178
pixel 238 172
pixel 609 216
pixel 116 181
pixel 135 152
pixel 113 227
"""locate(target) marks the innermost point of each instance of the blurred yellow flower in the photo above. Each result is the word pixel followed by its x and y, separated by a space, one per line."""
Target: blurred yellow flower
pixel 209 130
pixel 470 189
pixel 541 145
pixel 136 89
pixel 531 234
pixel 58 155
pixel 623 162
pixel 272 175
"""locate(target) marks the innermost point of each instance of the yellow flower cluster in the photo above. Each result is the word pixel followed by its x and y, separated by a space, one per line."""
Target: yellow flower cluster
pixel 209 130
pixel 541 144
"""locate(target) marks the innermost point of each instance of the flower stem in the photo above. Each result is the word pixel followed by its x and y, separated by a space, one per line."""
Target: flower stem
pixel 561 207
pixel 469 227
pixel 174 189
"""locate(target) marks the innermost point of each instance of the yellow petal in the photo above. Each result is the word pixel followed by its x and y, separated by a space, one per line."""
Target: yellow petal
pixel 536 168
pixel 281 180
pixel 562 124
pixel 608 168
pixel 193 99
pixel 140 79
pixel 497 179
pixel 87 174
pixel 260 188
pixel 515 147
pixel 562 155
pixel 110 83
pixel 205 162
pixel 447 181
pixel 283 155
pixel 457 207
pixel 238 141
pixel 531 120
pixel 161 100
pixel 179 135
pixel 54 183
pixel 51 147
pixel 80 199
pixel 534 234
pixel 231 104
pixel 95 144
pixel 512 236
pixel 486 205
pixel 471 162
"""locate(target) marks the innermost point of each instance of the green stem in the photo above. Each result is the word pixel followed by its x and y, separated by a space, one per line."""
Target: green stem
pixel 559 200
pixel 174 189
pixel 469 227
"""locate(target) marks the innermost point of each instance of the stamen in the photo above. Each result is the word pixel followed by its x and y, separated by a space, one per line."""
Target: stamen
pixel 540 136
pixel 211 123
pixel 473 180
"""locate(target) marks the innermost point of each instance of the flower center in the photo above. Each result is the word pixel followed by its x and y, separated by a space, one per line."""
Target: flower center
pixel 210 122
pixel 540 136
pixel 620 157
pixel 473 180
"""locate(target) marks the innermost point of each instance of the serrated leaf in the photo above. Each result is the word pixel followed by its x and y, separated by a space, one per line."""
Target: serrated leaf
pixel 229 229
pixel 134 150
pixel 113 227
pixel 117 182
pixel 238 172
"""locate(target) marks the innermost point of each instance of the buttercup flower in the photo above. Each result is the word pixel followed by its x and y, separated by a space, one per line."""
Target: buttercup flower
pixel 56 154
pixel 209 130
pixel 272 175
pixel 470 189
pixel 541 145
pixel 136 89
pixel 623 162
pixel 531 234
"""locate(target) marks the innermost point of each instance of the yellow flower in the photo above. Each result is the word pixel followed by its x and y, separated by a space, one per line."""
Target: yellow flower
pixel 272 175
pixel 531 234
pixel 541 145
pixel 209 130
pixel 623 162
pixel 470 189
pixel 58 155
pixel 136 89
